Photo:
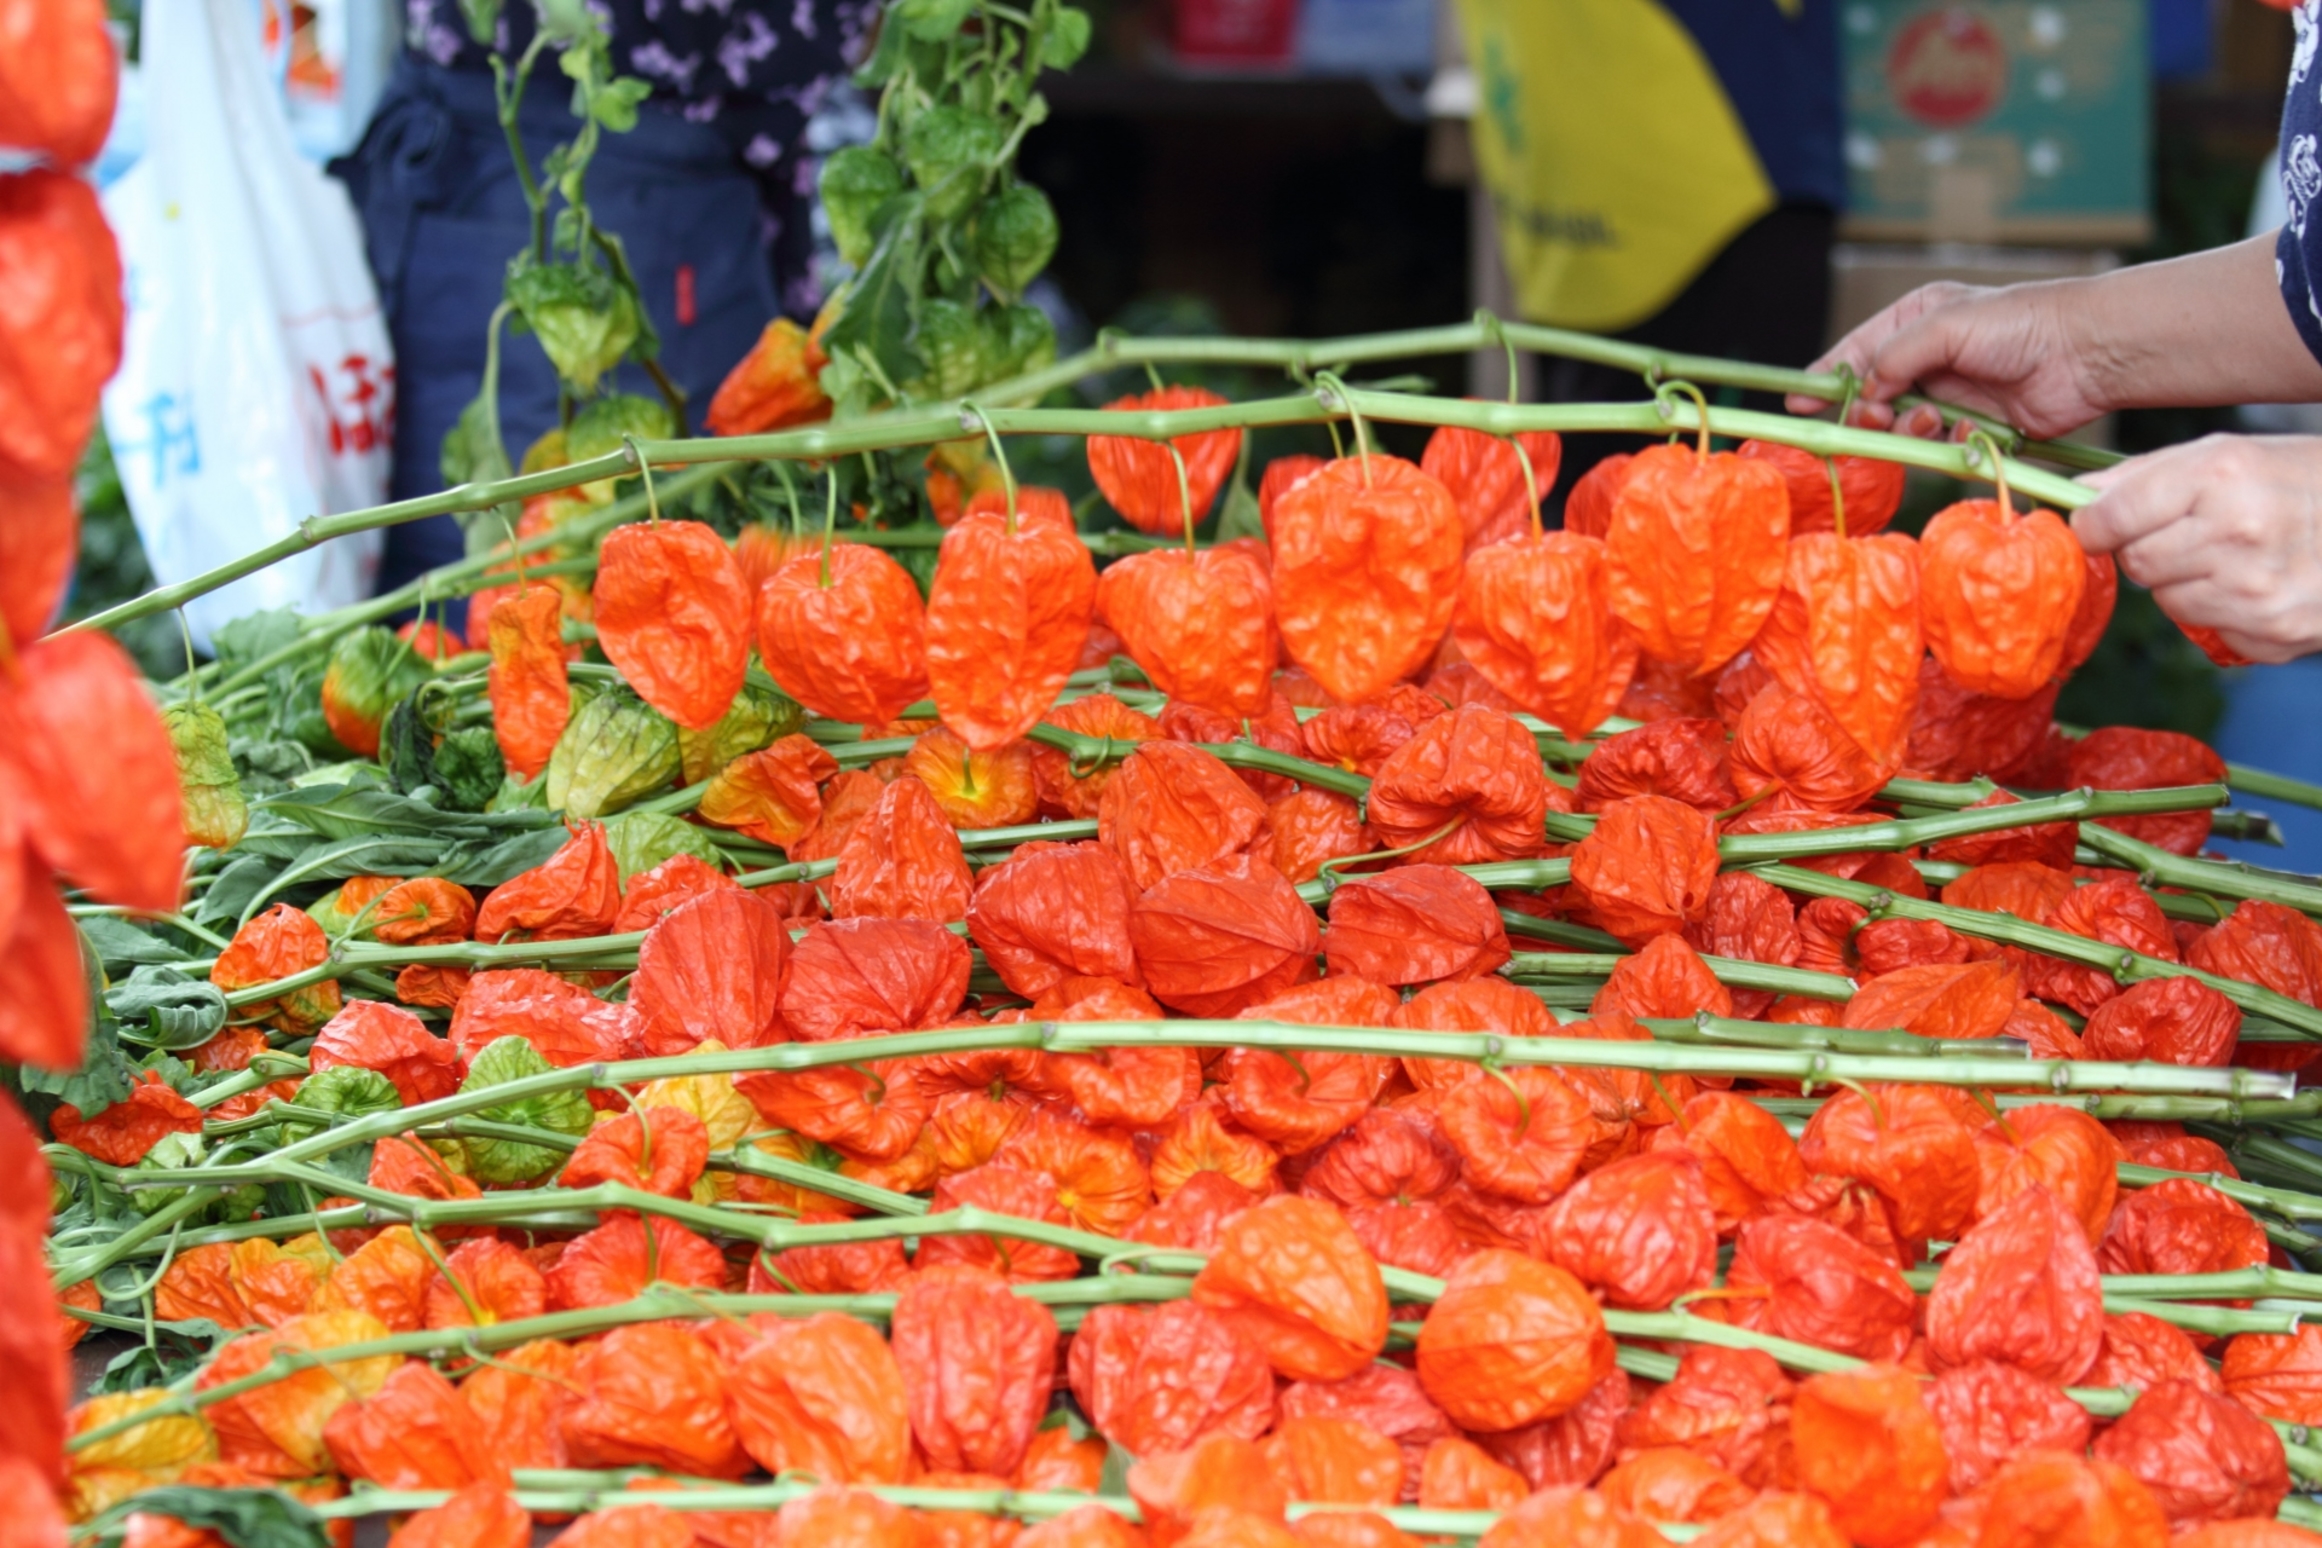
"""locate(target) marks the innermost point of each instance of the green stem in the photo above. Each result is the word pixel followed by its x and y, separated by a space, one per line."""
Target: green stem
pixel 2126 966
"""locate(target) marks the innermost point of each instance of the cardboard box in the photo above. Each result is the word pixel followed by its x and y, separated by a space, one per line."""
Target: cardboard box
pixel 1997 121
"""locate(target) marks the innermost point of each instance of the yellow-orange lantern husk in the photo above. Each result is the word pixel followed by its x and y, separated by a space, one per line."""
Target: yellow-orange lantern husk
pixel 1845 630
pixel 1535 619
pixel 1696 551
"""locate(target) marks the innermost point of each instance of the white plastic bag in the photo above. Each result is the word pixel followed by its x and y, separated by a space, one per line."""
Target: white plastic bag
pixel 257 385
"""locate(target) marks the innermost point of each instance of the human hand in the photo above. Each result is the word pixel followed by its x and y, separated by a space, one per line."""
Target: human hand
pixel 2007 352
pixel 2227 531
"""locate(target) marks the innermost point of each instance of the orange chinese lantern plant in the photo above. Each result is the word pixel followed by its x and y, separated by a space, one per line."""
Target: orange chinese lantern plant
pixel 1171 807
pixel 1006 620
pixel 277 944
pixel 2051 1497
pixel 822 1396
pixel 1366 572
pixel 1158 1380
pixel 483 1515
pixel 1199 622
pixel 1790 746
pixel 1647 867
pixel 1939 999
pixel 1050 912
pixel 1909 1144
pixel 1998 593
pixel 1868 1447
pixel 1510 1342
pixel 1067 787
pixel 1485 474
pixel 844 633
pixel 1845 629
pixel 1696 552
pixel 1639 1230
pixel 1469 787
pixel 2021 1289
pixel 1292 1274
pixel 1570 1517
pixel 373 1035
pixel 415 1432
pixel 1588 508
pixel 2204 1456
pixel 530 693
pixel 978 1363
pixel 575 892
pixel 673 613
pixel 713 967
pixel 1798 1277
pixel 777 384
pixel 996 789
pixel 1871 488
pixel 1414 925
pixel 773 795
pixel 1140 477
pixel 1535 618
pixel 1216 939
pixel 902 861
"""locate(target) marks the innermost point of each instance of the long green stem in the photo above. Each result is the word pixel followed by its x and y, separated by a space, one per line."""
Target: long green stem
pixel 2126 966
pixel 823 443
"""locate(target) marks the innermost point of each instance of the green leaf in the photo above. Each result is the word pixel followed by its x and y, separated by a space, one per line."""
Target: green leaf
pixel 888 57
pixel 602 423
pixel 615 103
pixel 758 717
pixel 178 1349
pixel 932 21
pixel 950 339
pixel 1015 236
pixel 407 748
pixel 569 21
pixel 877 318
pixel 119 945
pixel 488 865
pixel 104 1076
pixel 1020 338
pixel 268 767
pixel 615 751
pixel 160 1007
pixel 294 709
pixel 1240 517
pixel 471 451
pixel 642 840
pixel 1067 40
pixel 245 1518
pixel 855 183
pixel 566 1112
pixel 483 19
pixel 255 635
pixel 584 320
pixel 236 885
pixel 344 811
pixel 468 768
pixel 949 149
pixel 349 1091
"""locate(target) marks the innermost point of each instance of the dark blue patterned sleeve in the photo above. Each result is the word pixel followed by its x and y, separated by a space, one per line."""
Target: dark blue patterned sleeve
pixel 754 70
pixel 2298 248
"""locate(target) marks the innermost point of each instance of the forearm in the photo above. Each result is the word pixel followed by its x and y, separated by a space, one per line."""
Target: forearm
pixel 2206 330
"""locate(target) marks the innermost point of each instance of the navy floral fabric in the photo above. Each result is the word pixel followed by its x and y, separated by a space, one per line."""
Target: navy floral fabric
pixel 2298 250
pixel 754 70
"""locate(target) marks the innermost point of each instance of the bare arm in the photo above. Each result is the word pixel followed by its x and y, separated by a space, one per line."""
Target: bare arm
pixel 2206 329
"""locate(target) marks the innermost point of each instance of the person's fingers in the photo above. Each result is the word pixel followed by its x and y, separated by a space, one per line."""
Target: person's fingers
pixel 2181 551
pixel 1923 420
pixel 2207 604
pixel 2142 496
pixel 1861 344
